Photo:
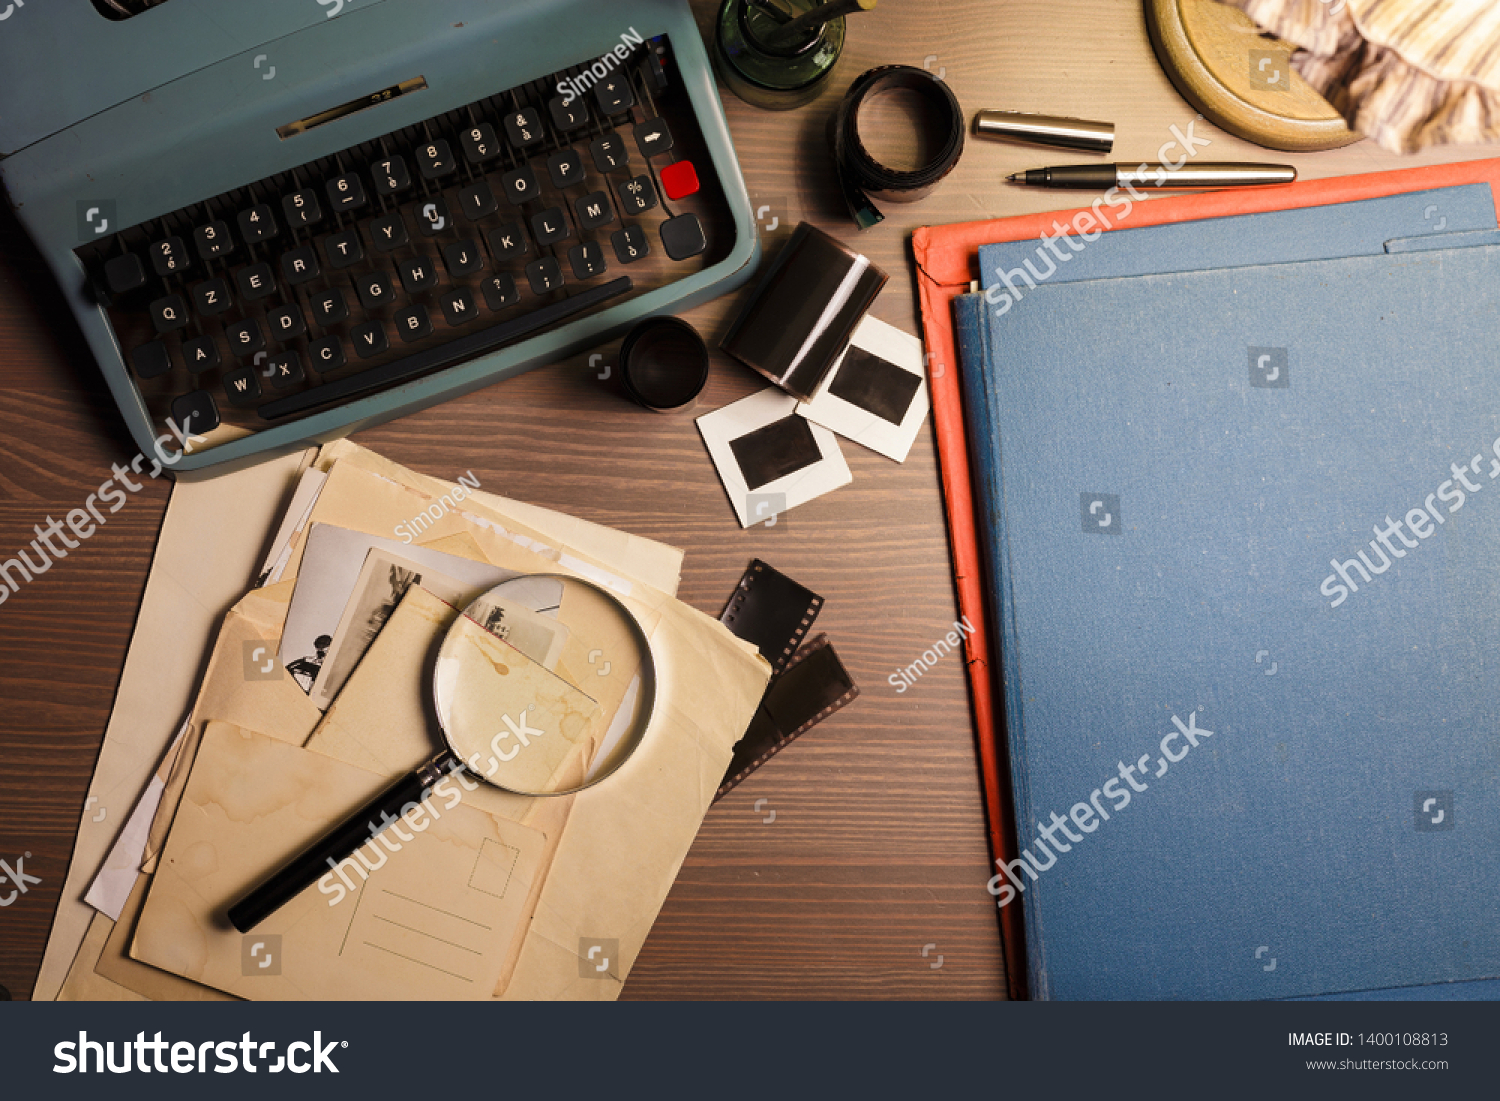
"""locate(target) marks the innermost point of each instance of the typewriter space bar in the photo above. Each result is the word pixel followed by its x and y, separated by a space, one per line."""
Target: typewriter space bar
pixel 464 348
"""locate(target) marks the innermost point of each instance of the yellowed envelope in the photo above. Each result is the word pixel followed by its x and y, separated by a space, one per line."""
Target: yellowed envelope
pixel 650 560
pixel 83 984
pixel 626 837
pixel 211 543
pixel 428 911
pixel 381 723
pixel 645 560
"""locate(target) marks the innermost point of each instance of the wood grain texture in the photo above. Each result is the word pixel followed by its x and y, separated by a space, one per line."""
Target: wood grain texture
pixel 877 847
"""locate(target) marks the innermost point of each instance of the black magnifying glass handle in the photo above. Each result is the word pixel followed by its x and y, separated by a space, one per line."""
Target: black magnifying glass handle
pixel 360 827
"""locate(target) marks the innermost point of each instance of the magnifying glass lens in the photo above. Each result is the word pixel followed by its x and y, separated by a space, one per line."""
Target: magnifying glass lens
pixel 538 685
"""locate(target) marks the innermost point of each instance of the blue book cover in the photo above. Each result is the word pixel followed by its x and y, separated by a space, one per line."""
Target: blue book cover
pixel 1250 623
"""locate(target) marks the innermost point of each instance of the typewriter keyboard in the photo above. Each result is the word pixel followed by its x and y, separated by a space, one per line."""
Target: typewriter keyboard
pixel 414 250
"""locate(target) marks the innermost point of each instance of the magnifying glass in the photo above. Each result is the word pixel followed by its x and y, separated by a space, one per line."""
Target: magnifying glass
pixel 543 686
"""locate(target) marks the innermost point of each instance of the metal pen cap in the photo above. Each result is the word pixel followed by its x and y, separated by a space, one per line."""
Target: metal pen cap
pixel 1054 130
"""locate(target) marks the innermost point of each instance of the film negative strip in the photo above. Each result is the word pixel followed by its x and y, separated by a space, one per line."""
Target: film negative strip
pixel 772 611
pixel 813 686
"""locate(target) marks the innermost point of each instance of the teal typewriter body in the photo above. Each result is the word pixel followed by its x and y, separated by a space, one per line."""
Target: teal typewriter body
pixel 278 222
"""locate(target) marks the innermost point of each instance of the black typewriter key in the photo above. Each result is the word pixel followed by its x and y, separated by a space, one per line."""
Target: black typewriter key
pixel 565 167
pixel 213 240
pixel 211 298
pixel 500 291
pixel 608 151
pixel 390 176
pixel 417 275
pixel 195 413
pixel 435 160
pixel 169 257
pixel 151 360
pixel 375 290
pixel 630 244
pixel 344 249
pixel 300 265
pixel 520 185
pixel 567 114
pixel 478 201
pixel 432 217
pixel 124 274
pixel 245 338
pixel 345 192
pixel 302 208
pixel 587 259
pixel 463 258
pixel 326 354
pixel 413 324
pixel 369 340
pixel 550 226
pixel 637 194
pixel 544 275
pixel 200 354
pixel 257 223
pixel 508 241
pixel 479 143
pixel 388 232
pixel 594 210
pixel 683 237
pixel 256 282
pixel 613 95
pixel 285 370
pixel 242 386
pixel 285 322
pixel 329 307
pixel 458 306
pixel 652 137
pixel 169 313
pixel 524 127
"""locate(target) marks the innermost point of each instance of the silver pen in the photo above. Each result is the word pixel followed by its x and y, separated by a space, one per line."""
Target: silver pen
pixel 1101 177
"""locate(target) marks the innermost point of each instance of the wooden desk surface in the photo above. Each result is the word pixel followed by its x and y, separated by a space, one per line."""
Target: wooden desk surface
pixel 877 848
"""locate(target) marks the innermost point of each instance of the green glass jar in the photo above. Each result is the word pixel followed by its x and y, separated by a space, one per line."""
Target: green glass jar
pixel 776 78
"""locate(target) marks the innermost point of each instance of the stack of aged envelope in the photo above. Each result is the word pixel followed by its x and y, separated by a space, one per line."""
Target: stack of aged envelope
pixel 497 896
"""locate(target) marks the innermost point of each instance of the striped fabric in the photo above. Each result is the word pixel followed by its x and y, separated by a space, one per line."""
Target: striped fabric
pixel 1407 73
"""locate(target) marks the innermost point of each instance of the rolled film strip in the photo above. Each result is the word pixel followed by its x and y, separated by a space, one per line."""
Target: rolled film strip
pixel 862 177
pixel 771 610
pixel 813 686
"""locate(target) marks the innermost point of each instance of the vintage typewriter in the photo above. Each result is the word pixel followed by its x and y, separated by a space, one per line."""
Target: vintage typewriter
pixel 278 221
